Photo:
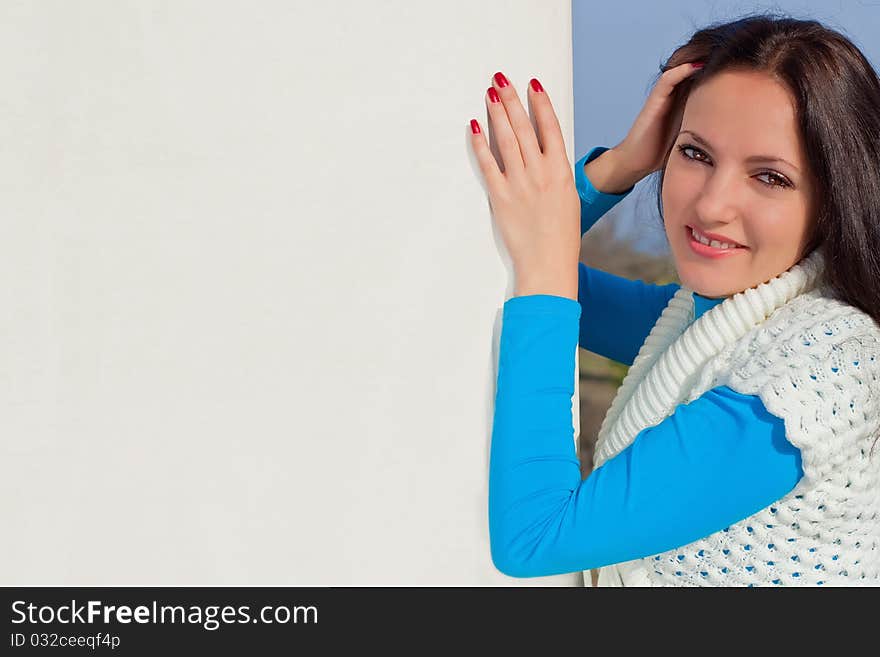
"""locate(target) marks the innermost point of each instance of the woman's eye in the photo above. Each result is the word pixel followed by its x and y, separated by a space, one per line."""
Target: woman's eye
pixel 780 181
pixel 682 148
pixel 775 180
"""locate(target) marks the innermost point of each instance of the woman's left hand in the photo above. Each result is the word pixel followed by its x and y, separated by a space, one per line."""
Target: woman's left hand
pixel 535 200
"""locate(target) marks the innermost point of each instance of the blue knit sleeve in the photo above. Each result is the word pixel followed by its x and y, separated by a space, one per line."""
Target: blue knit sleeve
pixel 711 463
pixel 594 203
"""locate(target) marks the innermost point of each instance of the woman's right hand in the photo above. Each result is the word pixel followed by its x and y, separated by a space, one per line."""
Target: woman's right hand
pixel 643 149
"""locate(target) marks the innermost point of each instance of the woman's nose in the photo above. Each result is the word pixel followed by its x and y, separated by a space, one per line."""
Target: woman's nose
pixel 719 199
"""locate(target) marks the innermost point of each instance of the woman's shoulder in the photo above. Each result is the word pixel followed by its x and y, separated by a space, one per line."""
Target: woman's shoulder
pixel 814 335
pixel 816 359
pixel 817 320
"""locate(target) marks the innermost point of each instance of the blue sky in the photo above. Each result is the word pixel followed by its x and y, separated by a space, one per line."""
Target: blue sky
pixel 618 48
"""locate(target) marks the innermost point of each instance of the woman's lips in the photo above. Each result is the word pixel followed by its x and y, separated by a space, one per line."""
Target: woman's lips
pixel 709 251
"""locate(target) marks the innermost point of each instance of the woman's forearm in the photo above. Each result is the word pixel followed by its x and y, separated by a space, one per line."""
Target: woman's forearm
pixel 609 176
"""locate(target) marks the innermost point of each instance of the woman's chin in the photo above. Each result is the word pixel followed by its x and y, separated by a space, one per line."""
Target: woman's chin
pixel 703 283
pixel 698 273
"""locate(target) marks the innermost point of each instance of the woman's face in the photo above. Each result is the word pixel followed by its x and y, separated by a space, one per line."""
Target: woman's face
pixel 739 136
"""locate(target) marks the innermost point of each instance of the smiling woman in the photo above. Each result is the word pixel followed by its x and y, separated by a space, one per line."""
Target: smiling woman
pixel 726 190
pixel 738 449
pixel 775 147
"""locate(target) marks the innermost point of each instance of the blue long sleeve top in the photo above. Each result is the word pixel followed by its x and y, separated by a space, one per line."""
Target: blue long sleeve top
pixel 711 463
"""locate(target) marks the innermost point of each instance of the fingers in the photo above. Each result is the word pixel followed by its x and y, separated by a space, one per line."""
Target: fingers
pixel 504 119
pixel 658 100
pixel 548 123
pixel 485 158
pixel 671 77
pixel 516 138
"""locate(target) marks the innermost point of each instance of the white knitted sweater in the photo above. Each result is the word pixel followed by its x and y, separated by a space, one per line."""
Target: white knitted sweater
pixel 815 363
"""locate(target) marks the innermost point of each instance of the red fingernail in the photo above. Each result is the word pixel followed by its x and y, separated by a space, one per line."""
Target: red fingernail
pixel 536 85
pixel 475 127
pixel 698 64
pixel 500 79
pixel 493 95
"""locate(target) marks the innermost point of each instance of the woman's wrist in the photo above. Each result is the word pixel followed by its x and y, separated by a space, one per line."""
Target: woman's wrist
pixel 608 175
pixel 563 284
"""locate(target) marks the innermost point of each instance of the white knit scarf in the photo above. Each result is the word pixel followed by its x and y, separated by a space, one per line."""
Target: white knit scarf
pixel 764 341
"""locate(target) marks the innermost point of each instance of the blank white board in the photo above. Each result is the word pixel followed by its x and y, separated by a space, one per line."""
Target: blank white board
pixel 252 289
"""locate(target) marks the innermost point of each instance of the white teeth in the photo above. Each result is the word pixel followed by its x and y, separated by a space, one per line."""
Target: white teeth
pixel 713 243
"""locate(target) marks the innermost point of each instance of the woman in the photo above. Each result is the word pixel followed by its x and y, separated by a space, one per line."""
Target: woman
pixel 738 450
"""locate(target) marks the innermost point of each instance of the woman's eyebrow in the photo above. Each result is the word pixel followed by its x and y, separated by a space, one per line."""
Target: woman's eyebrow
pixel 753 158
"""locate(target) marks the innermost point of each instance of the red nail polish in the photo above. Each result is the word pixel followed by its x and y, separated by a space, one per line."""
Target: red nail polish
pixel 493 95
pixel 698 64
pixel 536 85
pixel 500 79
pixel 475 127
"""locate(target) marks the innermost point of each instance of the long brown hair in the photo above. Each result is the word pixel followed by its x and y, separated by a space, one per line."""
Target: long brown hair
pixel 837 96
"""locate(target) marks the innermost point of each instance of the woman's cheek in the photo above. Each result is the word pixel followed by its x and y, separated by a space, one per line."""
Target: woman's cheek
pixel 675 191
